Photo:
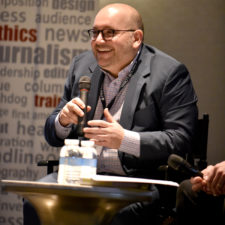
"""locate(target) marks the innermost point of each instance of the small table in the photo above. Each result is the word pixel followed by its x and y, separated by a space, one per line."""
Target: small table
pixel 75 204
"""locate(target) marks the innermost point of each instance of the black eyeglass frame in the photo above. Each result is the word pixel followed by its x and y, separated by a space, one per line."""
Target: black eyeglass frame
pixel 93 37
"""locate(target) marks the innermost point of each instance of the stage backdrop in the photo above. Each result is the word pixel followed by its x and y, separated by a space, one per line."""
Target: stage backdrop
pixel 38 39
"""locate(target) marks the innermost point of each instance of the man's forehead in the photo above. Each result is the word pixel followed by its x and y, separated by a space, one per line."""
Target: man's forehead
pixel 110 17
pixel 113 10
pixel 108 12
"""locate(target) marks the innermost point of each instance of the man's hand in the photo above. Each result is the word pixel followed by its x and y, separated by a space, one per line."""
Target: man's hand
pixel 107 133
pixel 213 181
pixel 71 111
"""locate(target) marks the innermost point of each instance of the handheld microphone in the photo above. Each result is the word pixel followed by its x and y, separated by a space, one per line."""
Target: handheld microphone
pixel 178 163
pixel 84 86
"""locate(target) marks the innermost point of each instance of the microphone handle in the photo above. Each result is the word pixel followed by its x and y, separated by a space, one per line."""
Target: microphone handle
pixel 186 167
pixel 82 121
pixel 195 173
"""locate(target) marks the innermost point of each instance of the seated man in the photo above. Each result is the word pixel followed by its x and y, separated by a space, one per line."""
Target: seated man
pixel 141 106
pixel 201 200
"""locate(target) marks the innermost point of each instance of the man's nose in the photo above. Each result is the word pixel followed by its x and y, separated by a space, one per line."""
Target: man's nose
pixel 100 37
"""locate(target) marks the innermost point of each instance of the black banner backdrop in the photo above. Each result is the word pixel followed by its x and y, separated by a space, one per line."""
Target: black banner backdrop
pixel 38 39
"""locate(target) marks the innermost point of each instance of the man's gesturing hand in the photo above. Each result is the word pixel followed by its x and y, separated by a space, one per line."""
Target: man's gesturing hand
pixel 107 133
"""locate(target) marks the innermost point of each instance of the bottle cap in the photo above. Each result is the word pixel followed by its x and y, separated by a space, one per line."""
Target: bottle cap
pixel 87 143
pixel 71 142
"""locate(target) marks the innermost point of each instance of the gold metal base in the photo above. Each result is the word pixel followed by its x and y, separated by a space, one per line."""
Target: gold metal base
pixel 75 205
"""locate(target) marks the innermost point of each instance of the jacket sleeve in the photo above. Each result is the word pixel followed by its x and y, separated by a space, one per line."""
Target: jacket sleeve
pixel 175 108
pixel 49 129
pixel 79 66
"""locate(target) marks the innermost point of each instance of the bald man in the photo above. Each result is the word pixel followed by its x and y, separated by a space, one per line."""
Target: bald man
pixel 141 105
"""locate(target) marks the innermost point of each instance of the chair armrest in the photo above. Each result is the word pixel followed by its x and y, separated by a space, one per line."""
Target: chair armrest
pixel 49 163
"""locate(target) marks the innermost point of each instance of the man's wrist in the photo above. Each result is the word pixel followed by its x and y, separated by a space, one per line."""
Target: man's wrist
pixel 61 131
pixel 131 143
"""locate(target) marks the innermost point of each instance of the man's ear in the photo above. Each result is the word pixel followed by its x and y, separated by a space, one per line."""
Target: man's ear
pixel 138 38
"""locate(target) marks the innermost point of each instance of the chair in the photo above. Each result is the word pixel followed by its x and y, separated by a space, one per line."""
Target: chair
pixel 50 164
pixel 198 157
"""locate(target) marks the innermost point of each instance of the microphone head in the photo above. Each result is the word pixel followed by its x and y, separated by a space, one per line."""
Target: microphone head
pixel 175 161
pixel 85 83
pixel 179 164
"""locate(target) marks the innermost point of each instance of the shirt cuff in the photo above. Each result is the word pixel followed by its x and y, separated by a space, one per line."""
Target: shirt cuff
pixel 62 132
pixel 131 143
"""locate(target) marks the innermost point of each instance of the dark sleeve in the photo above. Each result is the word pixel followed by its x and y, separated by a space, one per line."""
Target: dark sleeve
pixel 178 114
pixel 69 93
pixel 176 110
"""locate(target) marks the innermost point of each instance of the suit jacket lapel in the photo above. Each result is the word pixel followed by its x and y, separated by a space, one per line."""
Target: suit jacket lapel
pixel 96 82
pixel 135 86
pixel 131 101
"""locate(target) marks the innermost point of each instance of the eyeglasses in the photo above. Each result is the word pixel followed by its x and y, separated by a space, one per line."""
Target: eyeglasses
pixel 107 34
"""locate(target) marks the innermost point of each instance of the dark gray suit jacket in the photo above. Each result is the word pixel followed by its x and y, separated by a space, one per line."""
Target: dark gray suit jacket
pixel 160 105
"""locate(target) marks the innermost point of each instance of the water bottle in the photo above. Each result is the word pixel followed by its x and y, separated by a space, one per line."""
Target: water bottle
pixel 77 164
pixel 89 164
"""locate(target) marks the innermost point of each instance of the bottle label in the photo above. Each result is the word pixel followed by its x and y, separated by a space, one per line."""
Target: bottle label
pixel 71 169
pixel 77 162
pixel 74 161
